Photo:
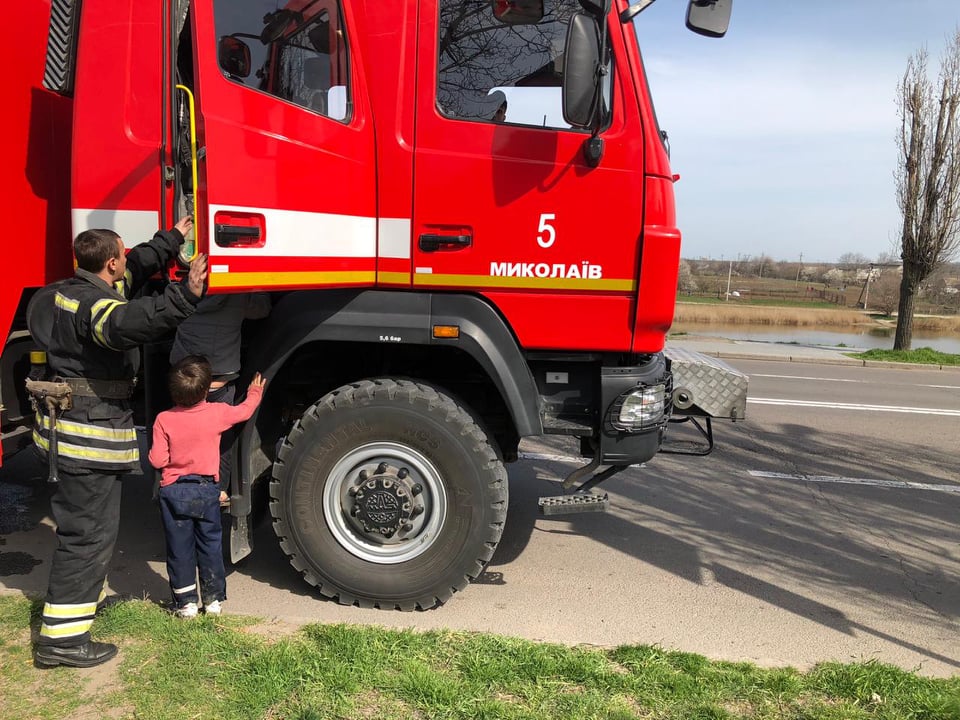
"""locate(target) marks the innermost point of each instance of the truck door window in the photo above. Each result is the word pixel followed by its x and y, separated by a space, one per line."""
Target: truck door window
pixel 489 71
pixel 296 55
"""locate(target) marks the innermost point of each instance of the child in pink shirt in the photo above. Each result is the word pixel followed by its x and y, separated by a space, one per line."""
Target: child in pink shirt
pixel 186 449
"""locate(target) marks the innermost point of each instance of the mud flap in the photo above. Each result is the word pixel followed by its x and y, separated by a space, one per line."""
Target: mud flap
pixel 241 539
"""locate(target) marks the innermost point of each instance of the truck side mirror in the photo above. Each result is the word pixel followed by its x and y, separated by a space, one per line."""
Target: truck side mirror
pixel 233 55
pixel 709 17
pixel 581 81
pixel 279 23
pixel 518 12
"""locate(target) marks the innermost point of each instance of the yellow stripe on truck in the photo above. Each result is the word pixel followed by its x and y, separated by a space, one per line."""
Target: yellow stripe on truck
pixel 286 279
pixel 532 283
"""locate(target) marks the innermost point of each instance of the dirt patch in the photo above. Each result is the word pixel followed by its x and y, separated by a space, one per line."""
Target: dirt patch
pixel 101 686
pixel 272 630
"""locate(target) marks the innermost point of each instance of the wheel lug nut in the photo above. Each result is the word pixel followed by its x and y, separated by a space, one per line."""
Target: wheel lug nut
pixel 402 473
pixel 354 511
pixel 364 474
pixel 352 492
pixel 417 489
pixel 407 527
pixel 381 468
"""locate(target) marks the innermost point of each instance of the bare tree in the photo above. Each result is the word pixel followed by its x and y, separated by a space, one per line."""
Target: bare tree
pixel 884 294
pixel 853 260
pixel 927 175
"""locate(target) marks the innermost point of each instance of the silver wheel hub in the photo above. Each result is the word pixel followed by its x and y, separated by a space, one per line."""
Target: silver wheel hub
pixel 384 502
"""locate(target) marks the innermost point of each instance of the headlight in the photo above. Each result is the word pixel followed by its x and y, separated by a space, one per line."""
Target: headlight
pixel 642 407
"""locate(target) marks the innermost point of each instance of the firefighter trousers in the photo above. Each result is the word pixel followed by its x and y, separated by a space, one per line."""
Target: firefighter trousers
pixel 86 509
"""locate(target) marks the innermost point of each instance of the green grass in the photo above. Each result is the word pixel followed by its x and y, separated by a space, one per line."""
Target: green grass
pixel 224 668
pixel 923 356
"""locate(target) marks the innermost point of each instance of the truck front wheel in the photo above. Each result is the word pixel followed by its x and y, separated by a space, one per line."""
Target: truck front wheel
pixel 387 494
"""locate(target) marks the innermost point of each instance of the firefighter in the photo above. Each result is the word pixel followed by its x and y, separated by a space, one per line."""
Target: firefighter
pixel 91 330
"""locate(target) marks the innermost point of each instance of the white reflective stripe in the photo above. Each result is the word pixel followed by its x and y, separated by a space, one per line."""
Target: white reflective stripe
pixel 62 301
pixel 134 226
pixel 66 629
pixel 68 450
pixel 78 610
pixel 69 427
pixel 394 238
pixel 104 307
pixel 181 591
pixel 292 233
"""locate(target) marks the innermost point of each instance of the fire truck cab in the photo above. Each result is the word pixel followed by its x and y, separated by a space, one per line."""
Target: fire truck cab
pixel 463 210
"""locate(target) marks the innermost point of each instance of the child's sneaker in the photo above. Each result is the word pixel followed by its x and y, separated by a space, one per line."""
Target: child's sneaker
pixel 187 611
pixel 212 608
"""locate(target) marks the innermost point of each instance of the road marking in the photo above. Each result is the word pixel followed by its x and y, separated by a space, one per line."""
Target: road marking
pixel 900 484
pixel 803 377
pixel 854 406
pixel 847 380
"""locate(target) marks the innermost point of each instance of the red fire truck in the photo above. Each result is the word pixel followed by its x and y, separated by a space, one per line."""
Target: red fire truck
pixel 463 210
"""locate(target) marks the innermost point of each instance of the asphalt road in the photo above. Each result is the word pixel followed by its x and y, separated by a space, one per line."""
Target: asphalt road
pixel 823 527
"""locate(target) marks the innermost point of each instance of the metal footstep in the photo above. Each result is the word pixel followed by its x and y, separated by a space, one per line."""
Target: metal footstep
pixel 579 502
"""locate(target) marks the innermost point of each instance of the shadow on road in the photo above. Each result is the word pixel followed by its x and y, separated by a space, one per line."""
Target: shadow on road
pixel 703 520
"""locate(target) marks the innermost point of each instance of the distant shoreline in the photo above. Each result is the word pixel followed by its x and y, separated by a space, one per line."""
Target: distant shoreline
pixel 809 318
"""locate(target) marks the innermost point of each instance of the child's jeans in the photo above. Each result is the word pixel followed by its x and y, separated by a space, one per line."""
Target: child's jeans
pixel 191 522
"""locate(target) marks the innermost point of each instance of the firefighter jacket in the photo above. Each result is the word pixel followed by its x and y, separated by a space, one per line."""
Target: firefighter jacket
pixel 95 334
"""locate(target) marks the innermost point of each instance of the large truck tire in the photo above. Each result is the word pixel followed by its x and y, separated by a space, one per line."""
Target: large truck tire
pixel 386 493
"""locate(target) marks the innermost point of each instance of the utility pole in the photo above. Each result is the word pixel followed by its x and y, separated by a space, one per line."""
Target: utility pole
pixel 799 268
pixel 729 273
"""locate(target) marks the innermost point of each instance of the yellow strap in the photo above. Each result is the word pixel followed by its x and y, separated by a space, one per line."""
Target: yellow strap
pixel 62 301
pixel 68 427
pixel 79 610
pixel 103 308
pixel 66 629
pixel 69 450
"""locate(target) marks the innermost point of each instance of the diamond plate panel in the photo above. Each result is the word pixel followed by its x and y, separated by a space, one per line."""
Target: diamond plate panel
pixel 704 385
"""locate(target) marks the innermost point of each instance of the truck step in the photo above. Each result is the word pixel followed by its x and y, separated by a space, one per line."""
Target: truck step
pixel 574 503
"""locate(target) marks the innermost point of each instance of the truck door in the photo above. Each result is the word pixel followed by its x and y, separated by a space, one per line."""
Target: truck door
pixel 505 203
pixel 286 188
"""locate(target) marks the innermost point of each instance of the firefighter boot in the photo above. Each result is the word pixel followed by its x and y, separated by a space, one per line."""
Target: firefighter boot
pixel 86 655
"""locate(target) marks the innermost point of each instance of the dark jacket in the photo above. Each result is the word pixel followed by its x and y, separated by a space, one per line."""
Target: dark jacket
pixel 95 333
pixel 214 331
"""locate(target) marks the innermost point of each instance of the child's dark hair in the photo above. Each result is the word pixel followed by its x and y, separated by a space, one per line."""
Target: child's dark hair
pixel 189 380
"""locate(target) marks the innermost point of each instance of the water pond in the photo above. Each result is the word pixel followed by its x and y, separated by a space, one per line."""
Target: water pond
pixel 865 340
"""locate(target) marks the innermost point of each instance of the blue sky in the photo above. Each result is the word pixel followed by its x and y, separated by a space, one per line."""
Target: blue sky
pixel 783 132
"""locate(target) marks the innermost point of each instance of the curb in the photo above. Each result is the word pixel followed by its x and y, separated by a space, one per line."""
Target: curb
pixel 853 362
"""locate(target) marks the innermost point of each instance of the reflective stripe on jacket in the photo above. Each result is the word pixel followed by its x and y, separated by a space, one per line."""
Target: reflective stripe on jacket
pixel 95 334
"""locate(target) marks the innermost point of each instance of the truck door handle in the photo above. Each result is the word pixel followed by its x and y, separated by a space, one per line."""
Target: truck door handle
pixel 435 243
pixel 236 234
